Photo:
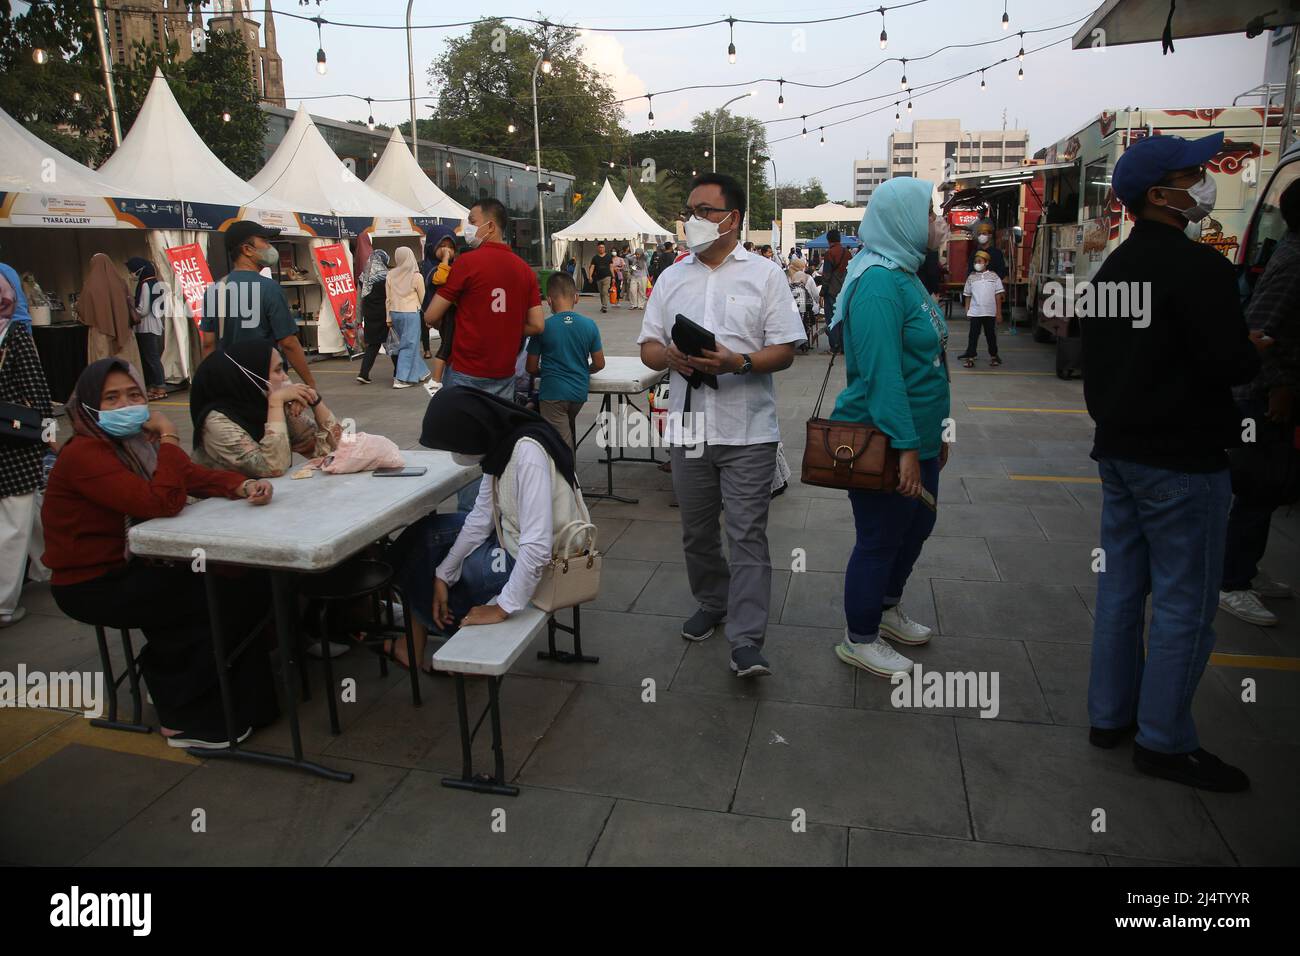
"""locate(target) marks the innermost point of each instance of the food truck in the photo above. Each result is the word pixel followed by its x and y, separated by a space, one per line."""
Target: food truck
pixel 1082 221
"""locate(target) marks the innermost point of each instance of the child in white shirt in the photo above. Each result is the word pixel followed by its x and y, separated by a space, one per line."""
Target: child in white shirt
pixel 982 297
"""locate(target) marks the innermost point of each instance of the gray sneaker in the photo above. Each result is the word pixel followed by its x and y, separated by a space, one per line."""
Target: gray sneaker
pixel 702 624
pixel 749 662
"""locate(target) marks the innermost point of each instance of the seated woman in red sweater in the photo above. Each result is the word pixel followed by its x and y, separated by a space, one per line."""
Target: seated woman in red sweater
pixel 124 464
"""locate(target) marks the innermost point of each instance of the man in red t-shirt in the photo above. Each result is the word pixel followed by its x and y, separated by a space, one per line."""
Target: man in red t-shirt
pixel 497 304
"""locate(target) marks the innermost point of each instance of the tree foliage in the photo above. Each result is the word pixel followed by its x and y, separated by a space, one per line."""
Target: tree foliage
pixel 484 84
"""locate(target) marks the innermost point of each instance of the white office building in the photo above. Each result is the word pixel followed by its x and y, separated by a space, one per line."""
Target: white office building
pixel 940 149
pixel 867 175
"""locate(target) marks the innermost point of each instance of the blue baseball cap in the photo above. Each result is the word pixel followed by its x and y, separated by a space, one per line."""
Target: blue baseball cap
pixel 1148 160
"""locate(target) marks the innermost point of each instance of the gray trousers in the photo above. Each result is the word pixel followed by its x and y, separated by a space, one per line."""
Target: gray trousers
pixel 739 477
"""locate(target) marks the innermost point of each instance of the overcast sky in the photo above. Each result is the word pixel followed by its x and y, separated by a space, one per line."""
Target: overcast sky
pixel 1062 90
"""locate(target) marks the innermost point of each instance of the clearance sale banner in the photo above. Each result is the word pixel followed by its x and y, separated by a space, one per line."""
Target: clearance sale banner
pixel 336 275
pixel 192 276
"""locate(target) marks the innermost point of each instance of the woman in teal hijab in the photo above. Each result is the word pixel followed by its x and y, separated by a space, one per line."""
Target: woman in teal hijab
pixel 894 341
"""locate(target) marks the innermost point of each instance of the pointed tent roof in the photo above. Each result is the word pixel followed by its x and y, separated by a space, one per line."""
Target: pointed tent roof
pixel 398 176
pixel 634 209
pixel 604 219
pixel 305 174
pixel 33 166
pixel 163 158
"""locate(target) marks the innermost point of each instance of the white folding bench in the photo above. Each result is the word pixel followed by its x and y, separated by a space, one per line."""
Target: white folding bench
pixel 488 651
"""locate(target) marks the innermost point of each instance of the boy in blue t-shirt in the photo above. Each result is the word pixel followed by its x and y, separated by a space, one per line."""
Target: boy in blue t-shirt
pixel 561 353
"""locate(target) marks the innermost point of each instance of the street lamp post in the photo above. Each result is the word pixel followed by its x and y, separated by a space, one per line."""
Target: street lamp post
pixel 749 143
pixel 410 70
pixel 776 198
pixel 714 154
pixel 537 145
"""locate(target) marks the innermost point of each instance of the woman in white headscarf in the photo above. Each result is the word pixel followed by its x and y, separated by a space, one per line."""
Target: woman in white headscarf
pixel 405 290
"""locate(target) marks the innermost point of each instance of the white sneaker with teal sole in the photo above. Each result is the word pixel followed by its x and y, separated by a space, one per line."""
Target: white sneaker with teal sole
pixel 897 626
pixel 878 657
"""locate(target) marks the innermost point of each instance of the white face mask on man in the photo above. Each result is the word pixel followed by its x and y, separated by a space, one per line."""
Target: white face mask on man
pixel 472 238
pixel 702 233
pixel 1204 195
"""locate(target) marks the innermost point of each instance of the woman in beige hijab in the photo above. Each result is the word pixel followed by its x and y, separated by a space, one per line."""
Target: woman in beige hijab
pixel 105 306
pixel 405 291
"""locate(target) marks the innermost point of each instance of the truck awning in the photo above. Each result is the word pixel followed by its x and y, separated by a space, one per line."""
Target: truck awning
pixel 1143 21
pixel 1010 176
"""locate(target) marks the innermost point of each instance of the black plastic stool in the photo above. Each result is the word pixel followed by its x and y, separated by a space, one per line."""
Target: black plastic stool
pixel 113 683
pixel 363 577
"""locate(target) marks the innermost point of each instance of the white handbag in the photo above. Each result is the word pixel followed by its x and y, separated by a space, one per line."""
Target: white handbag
pixel 571 577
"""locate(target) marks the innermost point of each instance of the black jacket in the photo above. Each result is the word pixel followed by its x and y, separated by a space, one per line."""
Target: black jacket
pixel 374 314
pixel 1161 395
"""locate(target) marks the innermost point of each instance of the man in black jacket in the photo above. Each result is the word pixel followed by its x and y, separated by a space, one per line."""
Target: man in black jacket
pixel 1164 341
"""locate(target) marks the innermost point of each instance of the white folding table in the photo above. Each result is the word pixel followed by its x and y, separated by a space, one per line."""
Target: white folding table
pixel 622 377
pixel 310 526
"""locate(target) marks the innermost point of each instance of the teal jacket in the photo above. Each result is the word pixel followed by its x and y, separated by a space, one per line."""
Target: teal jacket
pixel 894 339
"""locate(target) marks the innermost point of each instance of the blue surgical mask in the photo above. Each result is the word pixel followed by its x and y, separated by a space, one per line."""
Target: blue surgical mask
pixel 123 422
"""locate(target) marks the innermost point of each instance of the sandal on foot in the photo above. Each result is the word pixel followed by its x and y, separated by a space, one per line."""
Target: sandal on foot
pixel 968 363
pixel 995 361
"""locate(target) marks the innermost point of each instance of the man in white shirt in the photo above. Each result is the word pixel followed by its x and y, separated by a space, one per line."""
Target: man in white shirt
pixel 982 297
pixel 745 301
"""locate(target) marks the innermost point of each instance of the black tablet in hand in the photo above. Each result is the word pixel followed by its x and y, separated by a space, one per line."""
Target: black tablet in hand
pixel 692 339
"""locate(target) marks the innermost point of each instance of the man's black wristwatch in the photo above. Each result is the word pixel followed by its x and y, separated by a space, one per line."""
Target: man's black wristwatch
pixel 746 365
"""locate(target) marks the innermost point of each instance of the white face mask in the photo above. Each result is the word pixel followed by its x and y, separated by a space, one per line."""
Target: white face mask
pixel 472 238
pixel 261 383
pixel 466 460
pixel 702 233
pixel 980 267
pixel 938 234
pixel 1204 195
pixel 983 239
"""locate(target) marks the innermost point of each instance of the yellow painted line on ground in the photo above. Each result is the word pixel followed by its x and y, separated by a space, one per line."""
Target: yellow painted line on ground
pixel 1043 411
pixel 1250 660
pixel 1073 481
pixel 77 730
pixel 178 404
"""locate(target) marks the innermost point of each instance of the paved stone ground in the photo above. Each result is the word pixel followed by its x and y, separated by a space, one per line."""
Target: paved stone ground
pixel 715 769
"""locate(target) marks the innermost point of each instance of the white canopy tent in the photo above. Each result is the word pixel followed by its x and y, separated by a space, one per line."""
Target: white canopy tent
pixel 606 220
pixel 398 176
pixel 650 229
pixel 307 175
pixel 163 157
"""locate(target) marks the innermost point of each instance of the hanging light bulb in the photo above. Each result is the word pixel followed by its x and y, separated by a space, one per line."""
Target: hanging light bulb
pixel 225 116
pixel 902 84
pixel 448 164
pixel 1021 75
pixel 884 37
pixel 706 154
pixel 909 99
pixel 510 128
pixel 76 96
pixel 897 117
pixel 1021 55
pixel 370 120
pixel 731 45
pixel 780 97
pixel 1006 20
pixel 39 56
pixel 547 66
pixel 650 99
pixel 611 164
pixel 983 86
pixel 320 51
pixel 822 130
pixel 805 126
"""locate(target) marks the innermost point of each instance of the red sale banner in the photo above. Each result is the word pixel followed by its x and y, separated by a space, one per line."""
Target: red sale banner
pixel 336 275
pixel 192 276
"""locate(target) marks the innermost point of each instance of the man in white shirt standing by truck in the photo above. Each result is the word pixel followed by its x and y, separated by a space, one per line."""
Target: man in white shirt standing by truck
pixel 744 300
pixel 982 297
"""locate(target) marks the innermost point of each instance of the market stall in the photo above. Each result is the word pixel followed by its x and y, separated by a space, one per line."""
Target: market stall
pixel 399 177
pixel 651 232
pixel 332 206
pixel 606 220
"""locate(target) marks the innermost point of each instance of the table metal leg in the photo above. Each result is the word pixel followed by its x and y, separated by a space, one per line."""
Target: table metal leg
pixel 566 657
pixel 468 780
pixel 286 613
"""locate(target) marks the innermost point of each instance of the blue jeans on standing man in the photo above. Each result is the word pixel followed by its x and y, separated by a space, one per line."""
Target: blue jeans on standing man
pixel 891 532
pixel 1162 533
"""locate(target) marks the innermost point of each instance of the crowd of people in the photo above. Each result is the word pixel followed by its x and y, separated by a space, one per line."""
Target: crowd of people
pixel 1169 526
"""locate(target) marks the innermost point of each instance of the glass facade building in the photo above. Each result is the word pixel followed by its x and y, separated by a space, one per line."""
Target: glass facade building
pixel 462 174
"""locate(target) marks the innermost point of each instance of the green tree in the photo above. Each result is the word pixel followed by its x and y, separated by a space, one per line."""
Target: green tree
pixel 484 83
pixel 208 86
pixel 61 101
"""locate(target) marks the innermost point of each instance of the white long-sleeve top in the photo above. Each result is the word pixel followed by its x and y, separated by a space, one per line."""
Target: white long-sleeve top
pixel 532 476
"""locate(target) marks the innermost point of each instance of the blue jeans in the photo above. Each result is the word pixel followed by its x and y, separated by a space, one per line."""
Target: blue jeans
pixel 410 366
pixel 1248 524
pixel 1162 533
pixel 501 388
pixel 891 531
pixel 423 546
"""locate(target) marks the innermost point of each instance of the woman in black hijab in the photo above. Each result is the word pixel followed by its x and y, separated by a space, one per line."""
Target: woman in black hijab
pixel 249 417
pixel 459 569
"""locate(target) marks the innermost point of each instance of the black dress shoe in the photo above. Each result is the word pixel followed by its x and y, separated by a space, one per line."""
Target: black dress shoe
pixel 1199 769
pixel 1108 738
